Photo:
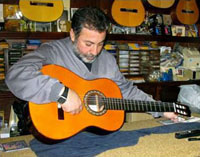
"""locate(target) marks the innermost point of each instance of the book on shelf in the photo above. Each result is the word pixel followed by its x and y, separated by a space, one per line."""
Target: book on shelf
pixel 1 119
pixel 3 44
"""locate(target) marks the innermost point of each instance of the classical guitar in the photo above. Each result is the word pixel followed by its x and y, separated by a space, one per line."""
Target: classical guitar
pixel 187 12
pixel 163 4
pixel 128 12
pixel 41 10
pixel 103 107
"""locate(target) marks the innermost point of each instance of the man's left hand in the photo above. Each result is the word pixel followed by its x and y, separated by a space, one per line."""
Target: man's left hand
pixel 171 115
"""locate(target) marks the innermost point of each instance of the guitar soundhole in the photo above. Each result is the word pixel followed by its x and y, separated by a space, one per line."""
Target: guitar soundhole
pixel 93 101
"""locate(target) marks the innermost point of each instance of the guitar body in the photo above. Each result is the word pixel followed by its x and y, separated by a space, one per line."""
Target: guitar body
pixel 45 116
pixel 163 4
pixel 41 10
pixel 129 13
pixel 187 12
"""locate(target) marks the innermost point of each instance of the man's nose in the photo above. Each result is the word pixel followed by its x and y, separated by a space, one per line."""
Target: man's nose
pixel 94 50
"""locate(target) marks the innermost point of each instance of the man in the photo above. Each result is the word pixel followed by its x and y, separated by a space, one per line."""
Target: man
pixel 81 53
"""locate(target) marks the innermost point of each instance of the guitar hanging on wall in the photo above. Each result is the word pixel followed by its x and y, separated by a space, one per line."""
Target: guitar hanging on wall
pixel 41 10
pixel 129 13
pixel 103 107
pixel 162 4
pixel 187 12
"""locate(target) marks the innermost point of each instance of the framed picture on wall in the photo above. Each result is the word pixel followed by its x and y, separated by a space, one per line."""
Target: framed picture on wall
pixel 43 27
pixel 178 30
pixel 63 23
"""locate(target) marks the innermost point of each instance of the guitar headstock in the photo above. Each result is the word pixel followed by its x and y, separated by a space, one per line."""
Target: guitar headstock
pixel 182 109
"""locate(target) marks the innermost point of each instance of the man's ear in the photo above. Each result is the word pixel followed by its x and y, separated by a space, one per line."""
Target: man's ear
pixel 72 35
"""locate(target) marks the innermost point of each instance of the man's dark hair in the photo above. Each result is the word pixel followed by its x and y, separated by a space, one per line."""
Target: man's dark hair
pixel 89 17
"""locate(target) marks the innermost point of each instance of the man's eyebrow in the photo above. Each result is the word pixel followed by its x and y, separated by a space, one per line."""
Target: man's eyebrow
pixel 93 42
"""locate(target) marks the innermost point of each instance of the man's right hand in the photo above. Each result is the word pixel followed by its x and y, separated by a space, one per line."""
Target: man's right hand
pixel 73 103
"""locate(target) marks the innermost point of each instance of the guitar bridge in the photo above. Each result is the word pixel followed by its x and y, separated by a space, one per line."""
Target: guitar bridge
pixel 41 4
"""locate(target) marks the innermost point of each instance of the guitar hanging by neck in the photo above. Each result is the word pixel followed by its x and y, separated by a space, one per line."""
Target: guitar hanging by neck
pixel 187 12
pixel 129 13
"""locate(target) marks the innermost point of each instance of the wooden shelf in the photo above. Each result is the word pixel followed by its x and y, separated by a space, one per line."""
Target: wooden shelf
pixel 33 35
pixel 160 38
pixel 114 37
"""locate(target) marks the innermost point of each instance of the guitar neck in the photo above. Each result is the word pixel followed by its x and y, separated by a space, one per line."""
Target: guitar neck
pixel 138 106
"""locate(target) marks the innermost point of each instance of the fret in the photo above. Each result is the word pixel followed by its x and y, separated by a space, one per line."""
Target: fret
pixel 128 105
pixel 164 107
pixel 135 107
pixel 107 104
pixel 171 108
pixel 110 102
pixel 128 109
pixel 122 106
pixel 160 108
pixel 131 106
pixel 138 105
pixel 142 106
pixel 150 107
pixel 113 104
pixel 156 107
pixel 116 105
pixel 174 107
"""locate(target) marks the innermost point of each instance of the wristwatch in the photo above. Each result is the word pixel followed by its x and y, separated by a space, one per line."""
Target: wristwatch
pixel 63 96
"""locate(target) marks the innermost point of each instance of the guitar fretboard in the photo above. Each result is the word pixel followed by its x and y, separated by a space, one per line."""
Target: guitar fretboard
pixel 137 105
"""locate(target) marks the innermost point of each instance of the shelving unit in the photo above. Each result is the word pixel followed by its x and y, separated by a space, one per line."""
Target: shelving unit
pixel 110 37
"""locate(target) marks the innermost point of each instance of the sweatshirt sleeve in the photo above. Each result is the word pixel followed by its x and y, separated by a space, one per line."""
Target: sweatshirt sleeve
pixel 26 82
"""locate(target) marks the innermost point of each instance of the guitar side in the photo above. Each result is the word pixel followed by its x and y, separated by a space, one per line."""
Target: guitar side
pixel 45 116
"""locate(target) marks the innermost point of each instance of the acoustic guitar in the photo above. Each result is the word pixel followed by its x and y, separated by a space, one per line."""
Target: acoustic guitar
pixel 103 107
pixel 187 12
pixel 128 13
pixel 163 4
pixel 41 10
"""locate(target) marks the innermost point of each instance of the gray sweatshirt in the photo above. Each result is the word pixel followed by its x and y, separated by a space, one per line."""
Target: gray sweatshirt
pixel 26 82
